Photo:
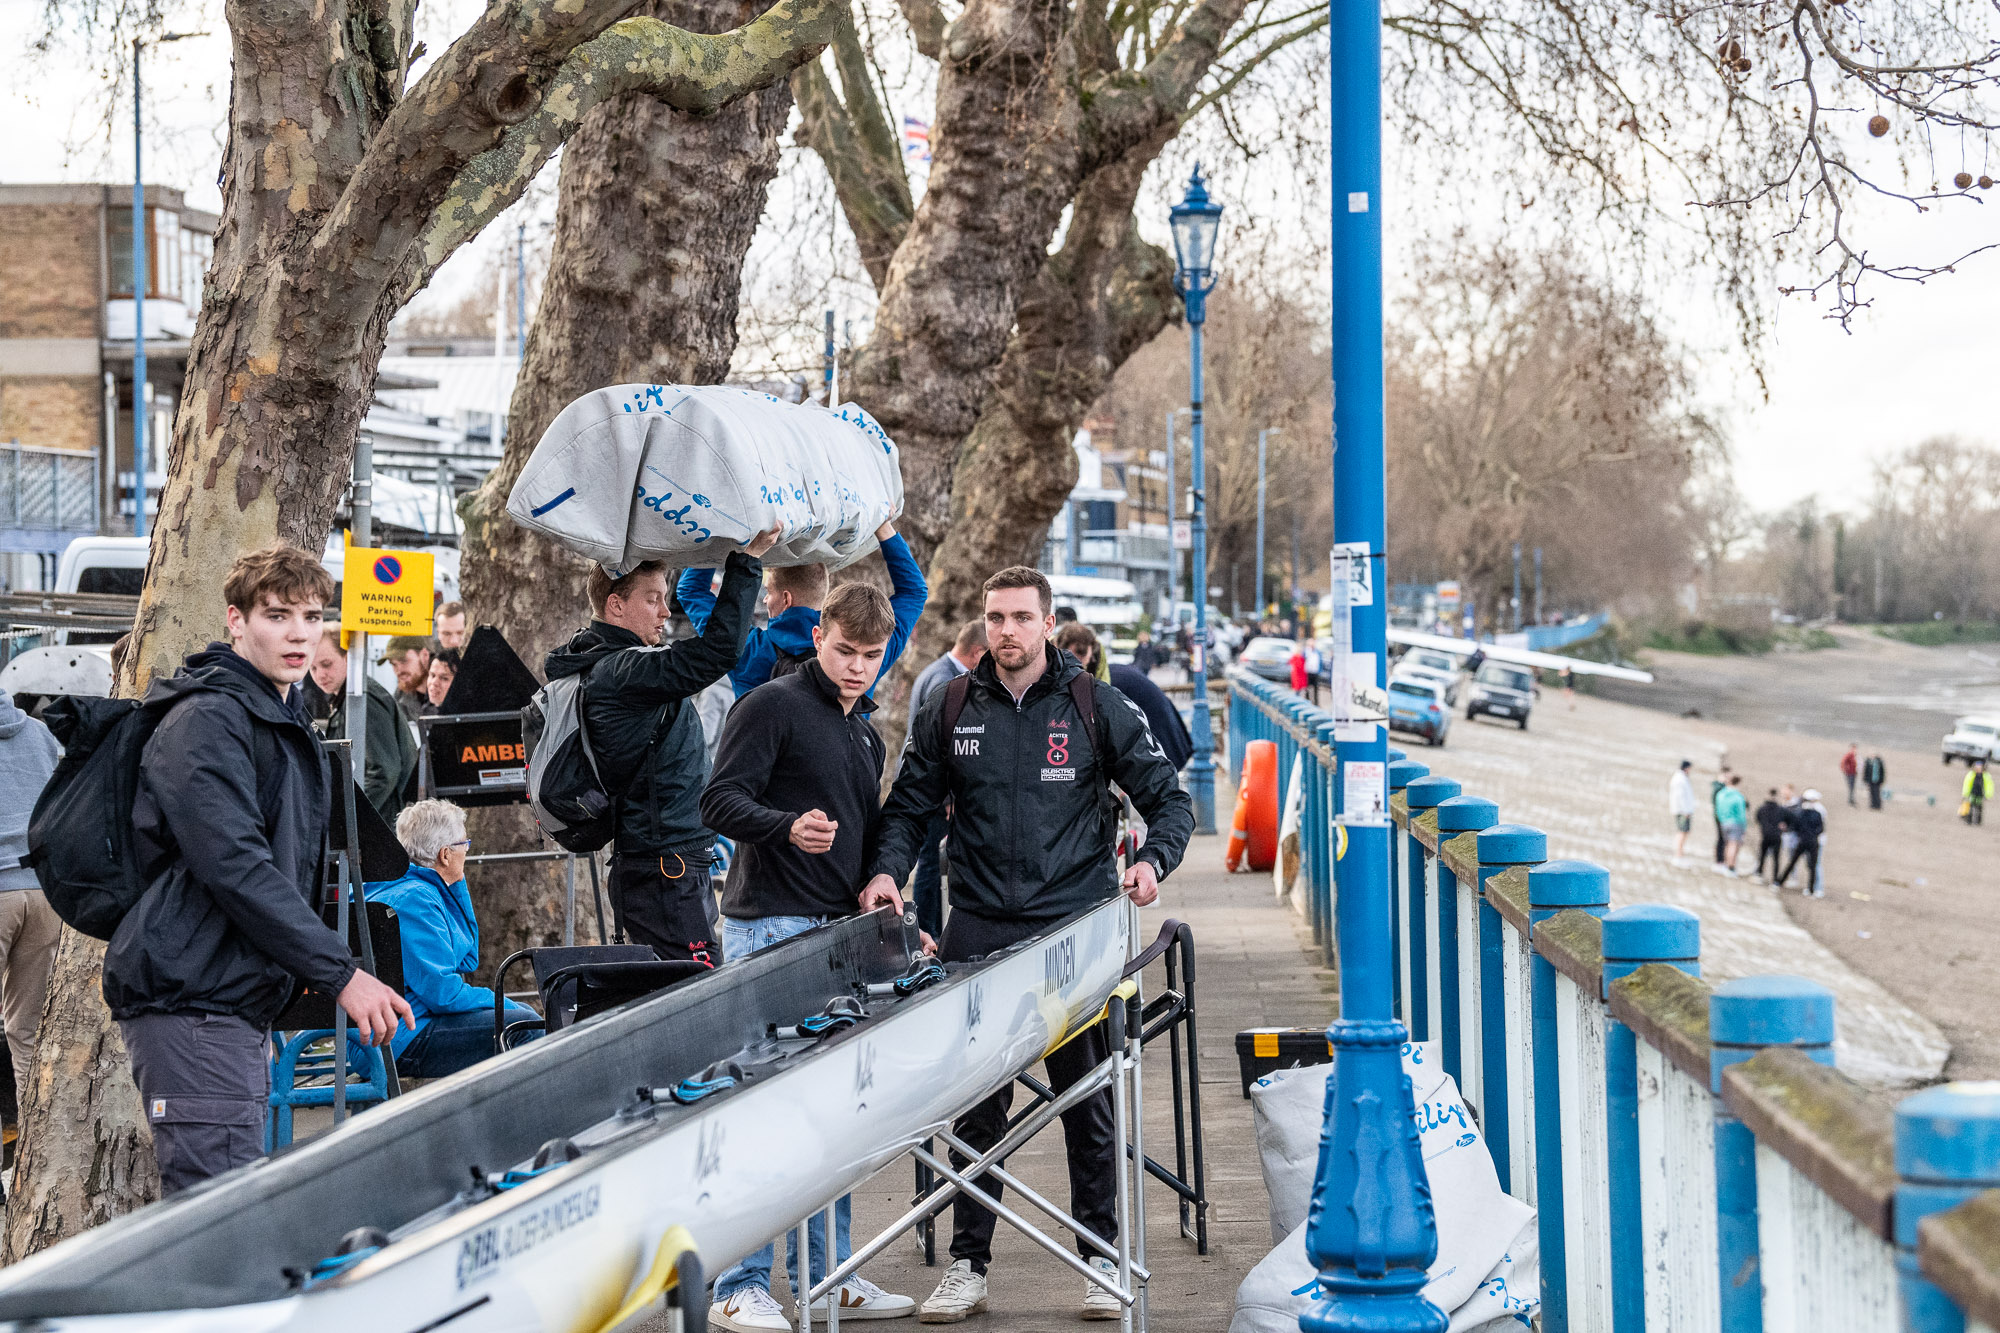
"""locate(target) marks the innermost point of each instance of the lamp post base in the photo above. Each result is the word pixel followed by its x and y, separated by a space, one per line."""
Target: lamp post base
pixel 1201 790
pixel 1391 1303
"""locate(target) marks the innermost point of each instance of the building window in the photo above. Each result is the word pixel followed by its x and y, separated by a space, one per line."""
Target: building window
pixel 176 257
pixel 1100 515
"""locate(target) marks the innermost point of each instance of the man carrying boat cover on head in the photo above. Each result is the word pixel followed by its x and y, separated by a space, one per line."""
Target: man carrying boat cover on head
pixel 793 595
pixel 796 782
pixel 647 738
pixel 1025 747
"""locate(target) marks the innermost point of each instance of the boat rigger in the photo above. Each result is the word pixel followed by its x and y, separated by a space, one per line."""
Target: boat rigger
pixel 552 1188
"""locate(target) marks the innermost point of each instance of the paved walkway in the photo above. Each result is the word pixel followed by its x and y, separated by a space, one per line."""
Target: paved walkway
pixel 1253 969
pixel 1596 781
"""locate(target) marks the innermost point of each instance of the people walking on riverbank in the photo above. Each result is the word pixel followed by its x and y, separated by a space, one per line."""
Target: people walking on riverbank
pixel 1732 812
pixel 1808 824
pixel 1771 817
pixel 1850 766
pixel 1680 804
pixel 1874 773
pixel 1977 791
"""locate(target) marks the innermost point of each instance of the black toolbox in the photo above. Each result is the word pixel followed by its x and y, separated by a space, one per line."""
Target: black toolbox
pixel 1261 1050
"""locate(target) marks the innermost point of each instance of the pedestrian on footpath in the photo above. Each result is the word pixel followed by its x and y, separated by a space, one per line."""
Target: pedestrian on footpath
pixel 1734 813
pixel 1568 679
pixel 1874 773
pixel 645 732
pixel 1716 786
pixel 1298 666
pixel 1808 824
pixel 793 595
pixel 230 819
pixel 797 784
pixel 1025 748
pixel 1680 804
pixel 1850 765
pixel 927 885
pixel 29 927
pixel 1978 789
pixel 1771 818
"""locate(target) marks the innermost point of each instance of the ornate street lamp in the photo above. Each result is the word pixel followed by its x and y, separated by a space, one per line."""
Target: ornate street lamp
pixel 1195 220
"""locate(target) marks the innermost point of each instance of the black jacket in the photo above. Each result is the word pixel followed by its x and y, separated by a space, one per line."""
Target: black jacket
pixel 230 818
pixel 1162 718
pixel 1874 772
pixel 636 692
pixel 392 750
pixel 788 748
pixel 1771 820
pixel 1032 823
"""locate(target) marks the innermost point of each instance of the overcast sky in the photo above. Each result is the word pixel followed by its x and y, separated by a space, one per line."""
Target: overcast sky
pixel 1924 361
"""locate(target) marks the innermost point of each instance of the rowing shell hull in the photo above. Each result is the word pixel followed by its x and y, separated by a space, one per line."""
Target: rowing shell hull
pixel 561 1252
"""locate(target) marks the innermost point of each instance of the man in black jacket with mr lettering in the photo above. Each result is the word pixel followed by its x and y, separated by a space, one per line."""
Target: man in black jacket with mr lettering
pixel 1026 746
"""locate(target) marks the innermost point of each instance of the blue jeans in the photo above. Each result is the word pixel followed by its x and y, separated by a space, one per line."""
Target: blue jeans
pixel 926 886
pixel 451 1042
pixel 740 939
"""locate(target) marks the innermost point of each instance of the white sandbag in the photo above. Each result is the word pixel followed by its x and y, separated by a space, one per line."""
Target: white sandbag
pixel 1285 866
pixel 689 473
pixel 1284 1282
pixel 1486 1255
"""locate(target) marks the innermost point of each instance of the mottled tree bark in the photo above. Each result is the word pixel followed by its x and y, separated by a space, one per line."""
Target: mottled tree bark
pixel 1101 297
pixel 341 195
pixel 642 288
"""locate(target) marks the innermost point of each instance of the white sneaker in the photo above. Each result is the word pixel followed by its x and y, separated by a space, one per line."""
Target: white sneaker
pixel 962 1293
pixel 862 1299
pixel 1097 1302
pixel 748 1310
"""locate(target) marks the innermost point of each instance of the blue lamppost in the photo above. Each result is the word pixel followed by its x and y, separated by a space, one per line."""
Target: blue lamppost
pixel 1371 1232
pixel 1195 220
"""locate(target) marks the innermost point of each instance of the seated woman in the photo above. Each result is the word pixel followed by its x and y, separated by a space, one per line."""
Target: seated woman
pixel 440 944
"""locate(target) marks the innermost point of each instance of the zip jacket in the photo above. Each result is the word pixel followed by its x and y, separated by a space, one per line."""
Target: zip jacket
pixel 789 635
pixel 639 715
pixel 1978 787
pixel 27 761
pixel 230 824
pixel 1033 822
pixel 440 944
pixel 1730 807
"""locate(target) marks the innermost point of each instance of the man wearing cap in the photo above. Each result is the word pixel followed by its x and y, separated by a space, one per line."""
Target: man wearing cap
pixel 410 656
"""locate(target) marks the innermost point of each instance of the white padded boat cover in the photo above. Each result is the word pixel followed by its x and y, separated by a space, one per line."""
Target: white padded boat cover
pixel 689 473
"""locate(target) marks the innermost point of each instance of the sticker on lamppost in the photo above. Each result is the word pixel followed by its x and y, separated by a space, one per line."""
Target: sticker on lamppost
pixel 1360 580
pixel 1364 794
pixel 1347 665
pixel 1183 535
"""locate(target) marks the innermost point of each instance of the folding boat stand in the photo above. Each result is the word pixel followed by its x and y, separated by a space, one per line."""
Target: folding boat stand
pixel 1132 1022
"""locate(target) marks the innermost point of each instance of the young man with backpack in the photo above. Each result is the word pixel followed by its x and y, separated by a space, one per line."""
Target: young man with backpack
pixel 793 595
pixel 645 740
pixel 797 784
pixel 1026 746
pixel 230 820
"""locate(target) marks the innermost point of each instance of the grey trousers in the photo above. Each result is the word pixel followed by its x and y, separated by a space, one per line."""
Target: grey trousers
pixel 205 1084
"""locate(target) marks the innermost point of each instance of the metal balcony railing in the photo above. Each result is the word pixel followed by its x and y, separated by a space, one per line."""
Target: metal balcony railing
pixel 47 496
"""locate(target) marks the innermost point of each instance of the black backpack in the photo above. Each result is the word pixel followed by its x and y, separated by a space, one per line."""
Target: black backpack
pixel 80 840
pixel 569 796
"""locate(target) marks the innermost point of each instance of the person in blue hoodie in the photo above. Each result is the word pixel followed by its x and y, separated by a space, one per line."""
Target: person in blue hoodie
pixel 454 1027
pixel 793 595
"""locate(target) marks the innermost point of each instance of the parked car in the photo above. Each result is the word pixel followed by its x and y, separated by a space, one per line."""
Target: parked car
pixel 1268 656
pixel 1974 737
pixel 1434 665
pixel 1501 689
pixel 1417 705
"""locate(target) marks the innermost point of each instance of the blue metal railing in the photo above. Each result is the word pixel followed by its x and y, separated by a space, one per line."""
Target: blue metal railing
pixel 1695 1161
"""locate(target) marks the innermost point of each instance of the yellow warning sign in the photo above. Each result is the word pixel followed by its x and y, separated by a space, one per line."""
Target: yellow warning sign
pixel 387 592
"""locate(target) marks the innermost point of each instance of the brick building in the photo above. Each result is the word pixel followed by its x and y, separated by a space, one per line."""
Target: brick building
pixel 66 344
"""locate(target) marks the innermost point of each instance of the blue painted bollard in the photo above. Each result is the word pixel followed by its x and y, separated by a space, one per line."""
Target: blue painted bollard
pixel 1634 937
pixel 1553 886
pixel 1501 847
pixel 1744 1017
pixel 1430 971
pixel 1458 940
pixel 1947 1150
pixel 1407 926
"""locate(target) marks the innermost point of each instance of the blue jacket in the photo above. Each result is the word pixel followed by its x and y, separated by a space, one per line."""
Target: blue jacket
pixel 792 631
pixel 440 942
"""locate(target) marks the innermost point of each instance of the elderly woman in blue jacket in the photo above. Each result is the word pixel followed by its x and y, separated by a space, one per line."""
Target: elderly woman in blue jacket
pixel 454 1026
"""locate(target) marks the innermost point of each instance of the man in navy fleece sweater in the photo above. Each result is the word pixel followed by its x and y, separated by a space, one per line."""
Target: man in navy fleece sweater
pixel 792 598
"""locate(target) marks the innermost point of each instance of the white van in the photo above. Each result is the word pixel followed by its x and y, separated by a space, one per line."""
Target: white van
pixel 1974 737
